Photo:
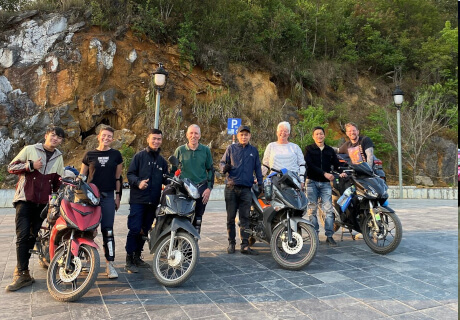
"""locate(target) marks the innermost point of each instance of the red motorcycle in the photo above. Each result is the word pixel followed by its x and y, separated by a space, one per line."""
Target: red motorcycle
pixel 66 244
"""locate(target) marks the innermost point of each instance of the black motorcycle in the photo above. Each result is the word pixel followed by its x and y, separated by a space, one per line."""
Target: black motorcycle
pixel 173 239
pixel 276 219
pixel 360 203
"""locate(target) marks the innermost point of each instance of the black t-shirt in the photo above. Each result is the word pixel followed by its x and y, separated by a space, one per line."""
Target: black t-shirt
pixel 357 154
pixel 102 168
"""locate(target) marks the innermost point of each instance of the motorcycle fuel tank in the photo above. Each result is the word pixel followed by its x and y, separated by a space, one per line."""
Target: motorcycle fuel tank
pixel 180 205
pixel 293 198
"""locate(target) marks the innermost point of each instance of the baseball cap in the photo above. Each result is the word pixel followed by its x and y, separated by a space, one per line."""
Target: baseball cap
pixel 243 128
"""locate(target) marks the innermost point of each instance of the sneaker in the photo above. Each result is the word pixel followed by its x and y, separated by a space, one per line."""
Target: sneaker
pixel 330 241
pixel 21 279
pixel 137 259
pixel 110 270
pixel 130 267
pixel 231 248
pixel 249 251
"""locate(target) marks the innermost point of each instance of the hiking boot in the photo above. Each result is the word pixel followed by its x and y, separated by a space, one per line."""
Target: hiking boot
pixel 330 241
pixel 137 259
pixel 110 270
pixel 20 279
pixel 130 267
pixel 249 251
pixel 231 248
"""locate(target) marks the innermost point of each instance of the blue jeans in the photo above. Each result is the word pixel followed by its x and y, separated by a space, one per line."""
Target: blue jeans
pixel 321 190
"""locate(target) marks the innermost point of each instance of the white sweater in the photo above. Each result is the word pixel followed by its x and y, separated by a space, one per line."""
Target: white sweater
pixel 287 156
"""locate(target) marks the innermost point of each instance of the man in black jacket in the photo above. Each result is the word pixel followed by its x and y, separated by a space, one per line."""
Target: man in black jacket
pixel 320 160
pixel 145 176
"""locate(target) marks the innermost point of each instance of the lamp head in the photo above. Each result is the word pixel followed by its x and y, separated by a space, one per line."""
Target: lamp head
pixel 398 97
pixel 160 77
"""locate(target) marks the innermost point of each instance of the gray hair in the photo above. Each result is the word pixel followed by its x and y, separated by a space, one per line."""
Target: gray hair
pixel 284 124
pixel 194 126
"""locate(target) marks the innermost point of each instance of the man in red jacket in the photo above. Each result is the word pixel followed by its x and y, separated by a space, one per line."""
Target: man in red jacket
pixel 39 167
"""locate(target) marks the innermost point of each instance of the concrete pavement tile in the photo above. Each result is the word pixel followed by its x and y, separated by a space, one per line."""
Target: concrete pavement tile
pixel 338 301
pixel 187 299
pixel 295 294
pixel 322 290
pixel 367 295
pixel 390 306
pixel 279 310
pixel 343 257
pixel 417 315
pixel 249 314
pixel 196 311
pixel 124 306
pixel 88 311
pixel 362 311
pixel 347 285
pixel 221 293
pixel 263 297
pixel 441 313
pixel 329 314
pixel 417 301
pixel 278 285
pixel 402 257
pixel 453 306
pixel 305 280
pixel 248 289
pixel 231 304
pixel 251 278
pixel 133 316
pixel 50 309
pixel 158 302
pixel 56 316
pixel 310 306
pixel 171 313
pixel 186 288
pixel 373 282
pixel 328 277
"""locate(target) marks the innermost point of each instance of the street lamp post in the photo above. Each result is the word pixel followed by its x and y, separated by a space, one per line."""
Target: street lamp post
pixel 160 79
pixel 398 97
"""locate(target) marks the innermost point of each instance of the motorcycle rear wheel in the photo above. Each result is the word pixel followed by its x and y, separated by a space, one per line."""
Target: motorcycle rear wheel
pixel 174 272
pixel 389 237
pixel 307 249
pixel 71 285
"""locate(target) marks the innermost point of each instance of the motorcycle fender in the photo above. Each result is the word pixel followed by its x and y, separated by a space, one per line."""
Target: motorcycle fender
pixel 384 209
pixel 76 243
pixel 294 221
pixel 176 224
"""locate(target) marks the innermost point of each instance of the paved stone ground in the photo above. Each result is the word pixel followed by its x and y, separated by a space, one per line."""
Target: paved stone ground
pixel 417 281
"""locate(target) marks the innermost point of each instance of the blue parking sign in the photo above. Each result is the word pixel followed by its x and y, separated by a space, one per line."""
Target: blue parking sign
pixel 232 125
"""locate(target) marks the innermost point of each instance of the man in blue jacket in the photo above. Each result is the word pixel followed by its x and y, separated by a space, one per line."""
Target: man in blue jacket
pixel 241 160
pixel 145 177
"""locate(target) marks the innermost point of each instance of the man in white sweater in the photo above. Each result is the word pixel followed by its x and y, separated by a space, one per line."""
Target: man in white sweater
pixel 284 154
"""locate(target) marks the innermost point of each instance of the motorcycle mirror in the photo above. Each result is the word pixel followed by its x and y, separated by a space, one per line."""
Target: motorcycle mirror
pixel 173 160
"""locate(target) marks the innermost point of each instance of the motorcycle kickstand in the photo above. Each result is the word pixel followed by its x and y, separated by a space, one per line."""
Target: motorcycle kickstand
pixel 171 243
pixel 341 237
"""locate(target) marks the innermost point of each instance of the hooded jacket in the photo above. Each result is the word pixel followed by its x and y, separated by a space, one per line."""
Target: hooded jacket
pixel 36 185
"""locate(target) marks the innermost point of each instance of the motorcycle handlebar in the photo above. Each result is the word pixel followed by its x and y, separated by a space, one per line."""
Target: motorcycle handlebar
pixel 272 169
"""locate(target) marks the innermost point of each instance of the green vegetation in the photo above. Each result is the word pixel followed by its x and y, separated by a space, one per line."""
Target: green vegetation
pixel 127 153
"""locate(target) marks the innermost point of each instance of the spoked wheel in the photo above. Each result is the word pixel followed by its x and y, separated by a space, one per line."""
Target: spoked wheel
pixel 179 267
pixel 72 284
pixel 387 237
pixel 300 252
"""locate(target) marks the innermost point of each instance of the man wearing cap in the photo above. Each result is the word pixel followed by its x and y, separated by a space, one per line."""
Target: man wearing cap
pixel 196 164
pixel 241 160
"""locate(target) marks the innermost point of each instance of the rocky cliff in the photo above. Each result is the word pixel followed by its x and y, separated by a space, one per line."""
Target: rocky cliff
pixel 58 69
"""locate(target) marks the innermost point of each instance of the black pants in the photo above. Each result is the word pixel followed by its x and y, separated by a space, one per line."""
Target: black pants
pixel 238 198
pixel 140 221
pixel 28 223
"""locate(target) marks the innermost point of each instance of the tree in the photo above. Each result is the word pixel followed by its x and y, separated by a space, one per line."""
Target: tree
pixel 428 115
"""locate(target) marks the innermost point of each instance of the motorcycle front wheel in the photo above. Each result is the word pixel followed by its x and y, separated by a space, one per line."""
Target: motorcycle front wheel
pixel 179 267
pixel 300 252
pixel 70 285
pixel 389 235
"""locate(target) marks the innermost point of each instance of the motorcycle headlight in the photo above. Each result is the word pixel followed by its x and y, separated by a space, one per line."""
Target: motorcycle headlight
pixel 92 197
pixel 192 190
